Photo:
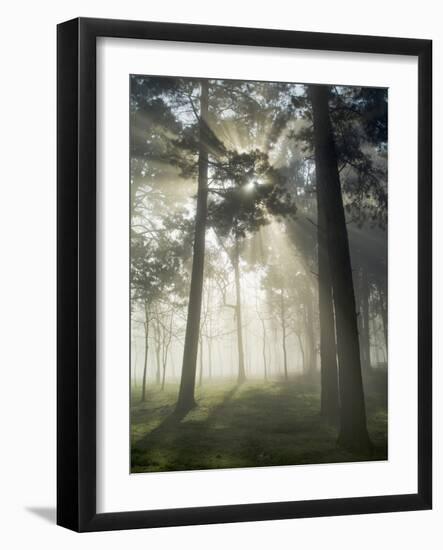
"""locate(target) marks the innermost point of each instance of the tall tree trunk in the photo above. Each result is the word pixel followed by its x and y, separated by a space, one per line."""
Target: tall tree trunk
pixel 238 314
pixel 208 323
pixel 134 346
pixel 166 343
pixel 265 367
pixel 376 346
pixel 310 336
pixel 165 360
pixel 157 331
pixel 200 378
pixel 246 354
pixel 384 316
pixel 353 428
pixel 328 349
pixel 385 357
pixel 302 352
pixel 283 328
pixel 365 343
pixel 209 346
pixel 186 399
pixel 145 361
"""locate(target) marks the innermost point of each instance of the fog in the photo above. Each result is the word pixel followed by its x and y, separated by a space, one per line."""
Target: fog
pixel 227 285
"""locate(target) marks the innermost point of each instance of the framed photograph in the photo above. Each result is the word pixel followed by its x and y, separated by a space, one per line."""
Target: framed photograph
pixel 244 274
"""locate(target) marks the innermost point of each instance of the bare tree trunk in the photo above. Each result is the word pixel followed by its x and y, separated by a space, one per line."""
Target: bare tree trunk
pixel 200 378
pixel 186 399
pixel 265 369
pixel 208 323
pixel 134 346
pixel 145 361
pixel 376 347
pixel 353 428
pixel 385 357
pixel 365 342
pixel 209 346
pixel 246 354
pixel 310 336
pixel 302 351
pixel 283 328
pixel 238 314
pixel 166 343
pixel 157 331
pixel 165 358
pixel 384 316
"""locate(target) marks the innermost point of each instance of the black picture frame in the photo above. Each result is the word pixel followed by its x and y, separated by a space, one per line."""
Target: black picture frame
pixel 76 265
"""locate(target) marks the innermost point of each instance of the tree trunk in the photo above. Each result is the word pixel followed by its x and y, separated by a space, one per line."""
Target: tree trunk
pixel 238 314
pixel 246 354
pixel 385 357
pixel 310 336
pixel 200 378
pixel 145 362
pixel 302 352
pixel 283 328
pixel 165 359
pixel 384 317
pixel 157 351
pixel 353 428
pixel 365 342
pixel 209 346
pixel 328 349
pixel 209 330
pixel 186 399
pixel 166 343
pixel 265 367
pixel 376 345
pixel 134 347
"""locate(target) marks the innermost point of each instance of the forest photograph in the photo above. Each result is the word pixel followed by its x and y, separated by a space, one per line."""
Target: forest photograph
pixel 258 273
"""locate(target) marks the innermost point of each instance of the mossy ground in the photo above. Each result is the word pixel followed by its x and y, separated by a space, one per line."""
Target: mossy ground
pixel 255 424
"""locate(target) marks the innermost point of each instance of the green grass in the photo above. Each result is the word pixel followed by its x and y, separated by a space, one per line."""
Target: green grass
pixel 255 424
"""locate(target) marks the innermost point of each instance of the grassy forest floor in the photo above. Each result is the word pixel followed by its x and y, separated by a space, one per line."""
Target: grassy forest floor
pixel 255 424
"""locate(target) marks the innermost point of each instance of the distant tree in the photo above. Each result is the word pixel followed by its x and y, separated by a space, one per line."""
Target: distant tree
pixel 158 274
pixel 278 286
pixel 264 315
pixel 246 191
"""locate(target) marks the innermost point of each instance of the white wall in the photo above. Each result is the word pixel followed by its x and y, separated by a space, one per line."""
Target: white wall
pixel 27 289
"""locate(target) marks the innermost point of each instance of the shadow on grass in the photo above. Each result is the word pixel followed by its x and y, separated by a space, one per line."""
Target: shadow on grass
pixel 221 408
pixel 255 424
pixel 172 421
